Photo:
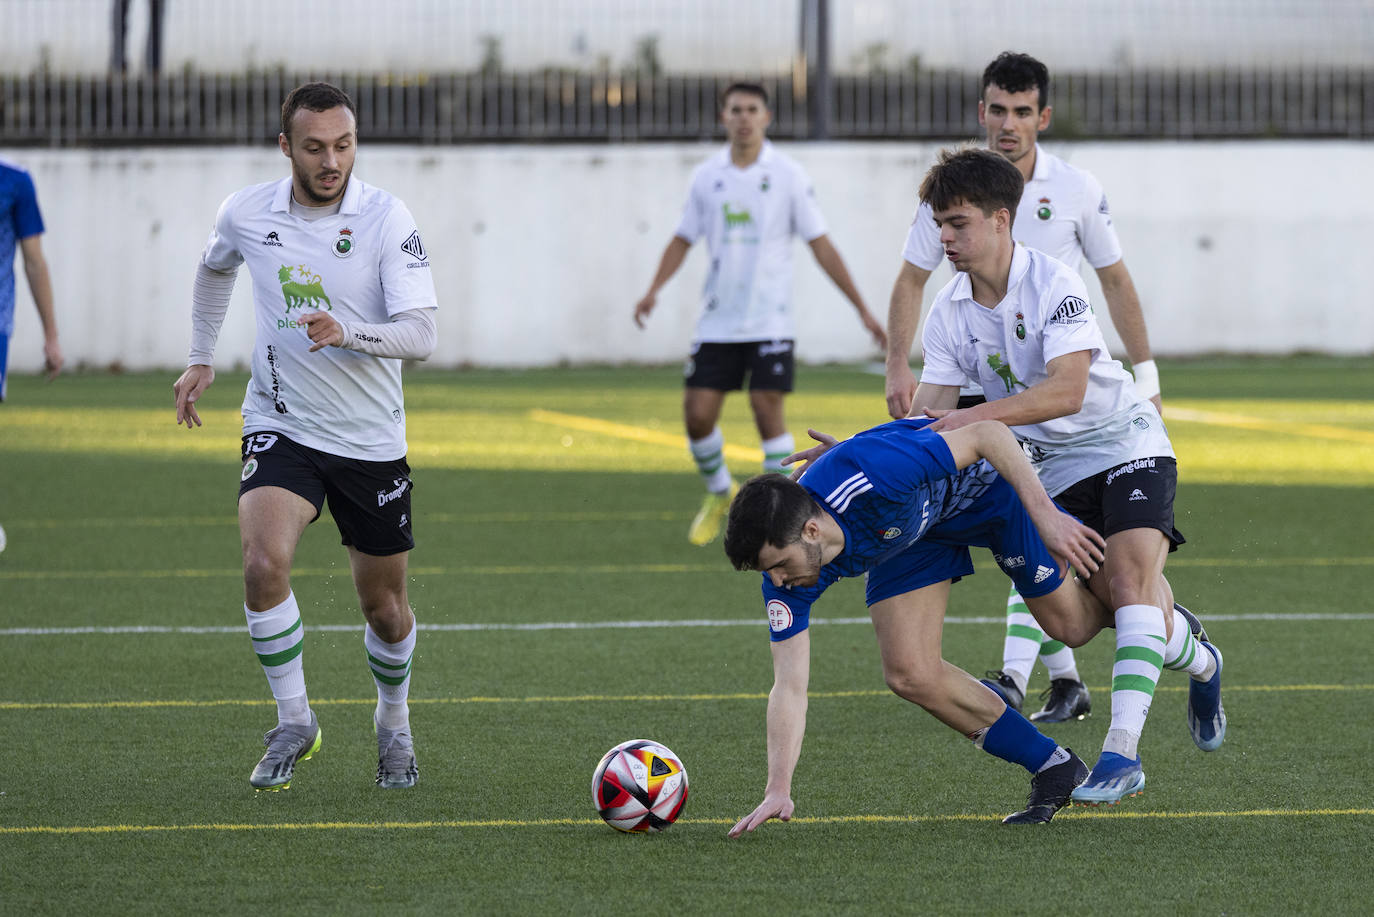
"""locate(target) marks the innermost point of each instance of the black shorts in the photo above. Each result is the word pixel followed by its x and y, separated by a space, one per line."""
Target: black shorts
pixel 1136 495
pixel 370 501
pixel 722 366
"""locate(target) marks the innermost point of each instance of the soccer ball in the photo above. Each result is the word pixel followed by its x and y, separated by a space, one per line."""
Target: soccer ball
pixel 640 786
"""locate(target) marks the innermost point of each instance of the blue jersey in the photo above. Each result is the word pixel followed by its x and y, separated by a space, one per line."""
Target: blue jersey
pixel 909 516
pixel 19 219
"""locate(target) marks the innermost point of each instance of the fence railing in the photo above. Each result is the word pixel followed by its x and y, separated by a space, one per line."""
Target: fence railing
pixel 53 110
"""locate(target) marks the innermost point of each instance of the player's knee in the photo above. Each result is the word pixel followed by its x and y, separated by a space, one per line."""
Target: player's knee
pixel 913 683
pixel 264 571
pixel 389 615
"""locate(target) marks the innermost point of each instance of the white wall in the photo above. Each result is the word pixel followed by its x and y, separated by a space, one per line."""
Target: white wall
pixel 539 253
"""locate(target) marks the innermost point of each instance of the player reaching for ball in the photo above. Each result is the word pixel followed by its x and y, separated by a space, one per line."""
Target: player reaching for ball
pixel 343 293
pixel 903 504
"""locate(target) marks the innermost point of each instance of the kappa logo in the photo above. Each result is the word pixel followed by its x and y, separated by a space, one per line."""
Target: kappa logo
pixel 1042 573
pixel 779 616
pixel 1069 311
pixel 413 247
pixel 891 533
pixel 1137 494
pixel 272 239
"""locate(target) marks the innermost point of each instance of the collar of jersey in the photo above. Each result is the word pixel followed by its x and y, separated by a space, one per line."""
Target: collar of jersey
pixel 765 155
pixel 1041 172
pixel 281 199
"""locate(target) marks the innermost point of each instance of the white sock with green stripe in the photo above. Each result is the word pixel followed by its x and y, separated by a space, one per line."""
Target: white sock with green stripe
pixel 278 638
pixel 1058 659
pixel 709 454
pixel 1022 642
pixel 1185 654
pixel 1139 660
pixel 390 664
pixel 777 449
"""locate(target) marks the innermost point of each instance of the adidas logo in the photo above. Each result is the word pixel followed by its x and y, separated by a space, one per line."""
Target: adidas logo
pixel 1043 573
pixel 1137 495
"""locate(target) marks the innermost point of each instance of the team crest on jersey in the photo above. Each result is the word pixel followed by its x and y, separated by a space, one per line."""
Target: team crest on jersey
pixel 1020 327
pixel 249 467
pixel 1070 311
pixel 764 185
pixel 779 616
pixel 343 245
pixel 1045 211
pixel 891 532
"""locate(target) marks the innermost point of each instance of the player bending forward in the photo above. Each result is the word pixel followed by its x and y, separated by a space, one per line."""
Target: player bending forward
pixel 903 504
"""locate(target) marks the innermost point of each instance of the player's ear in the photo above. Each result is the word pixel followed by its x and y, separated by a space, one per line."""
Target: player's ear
pixel 284 143
pixel 1044 123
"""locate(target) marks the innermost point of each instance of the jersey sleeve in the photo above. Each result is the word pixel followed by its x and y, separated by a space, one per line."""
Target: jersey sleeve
pixel 692 226
pixel 407 281
pixel 1070 325
pixel 807 220
pixel 940 348
pixel 923 248
pixel 221 250
pixel 27 220
pixel 1100 245
pixel 789 610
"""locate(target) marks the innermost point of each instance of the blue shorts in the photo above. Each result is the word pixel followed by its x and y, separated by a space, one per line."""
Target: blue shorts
pixel 4 362
pixel 998 521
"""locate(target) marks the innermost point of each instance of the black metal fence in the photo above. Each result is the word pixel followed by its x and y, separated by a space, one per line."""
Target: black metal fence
pixel 553 106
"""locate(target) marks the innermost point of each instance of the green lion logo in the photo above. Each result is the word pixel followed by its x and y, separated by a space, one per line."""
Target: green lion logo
pixel 1004 372
pixel 306 291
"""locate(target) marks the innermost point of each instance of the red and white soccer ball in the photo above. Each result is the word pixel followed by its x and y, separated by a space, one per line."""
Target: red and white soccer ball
pixel 640 786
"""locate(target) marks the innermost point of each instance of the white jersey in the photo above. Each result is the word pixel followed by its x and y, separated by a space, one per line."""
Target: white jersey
pixel 363 264
pixel 1044 315
pixel 749 217
pixel 1063 213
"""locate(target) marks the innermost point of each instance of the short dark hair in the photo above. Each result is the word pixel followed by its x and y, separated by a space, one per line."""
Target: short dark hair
pixel 979 177
pixel 769 509
pixel 313 97
pixel 1015 72
pixel 753 89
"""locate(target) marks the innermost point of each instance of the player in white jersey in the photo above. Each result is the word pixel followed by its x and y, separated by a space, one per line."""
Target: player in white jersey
pixel 1018 322
pixel 1063 212
pixel 342 292
pixel 747 201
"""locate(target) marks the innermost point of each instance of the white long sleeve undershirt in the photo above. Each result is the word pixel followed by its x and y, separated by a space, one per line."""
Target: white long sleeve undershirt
pixel 410 335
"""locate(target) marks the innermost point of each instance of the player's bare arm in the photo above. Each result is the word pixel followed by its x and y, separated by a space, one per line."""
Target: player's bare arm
pixel 1065 536
pixel 40 286
pixel 188 389
pixel 828 257
pixel 786 726
pixel 903 317
pixel 673 256
pixel 1123 304
pixel 1059 395
pixel 930 397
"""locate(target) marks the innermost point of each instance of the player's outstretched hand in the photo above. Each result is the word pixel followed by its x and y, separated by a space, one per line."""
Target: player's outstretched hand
pixel 1066 537
pixel 323 330
pixel 807 456
pixel 779 807
pixel 187 389
pixel 643 308
pixel 947 421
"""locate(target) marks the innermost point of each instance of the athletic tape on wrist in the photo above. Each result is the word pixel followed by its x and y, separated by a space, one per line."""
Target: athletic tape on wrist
pixel 1146 378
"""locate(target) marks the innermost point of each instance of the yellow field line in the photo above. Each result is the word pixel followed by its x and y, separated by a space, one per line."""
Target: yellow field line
pixel 584 822
pixel 587 698
pixel 427 518
pixel 1247 422
pixel 637 434
pixel 569 569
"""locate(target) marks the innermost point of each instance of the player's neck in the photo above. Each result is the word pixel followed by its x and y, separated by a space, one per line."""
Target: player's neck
pixel 1027 163
pixel 744 155
pixel 832 538
pixel 991 279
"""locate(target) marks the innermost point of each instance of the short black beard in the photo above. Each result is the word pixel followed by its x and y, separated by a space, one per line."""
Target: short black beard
pixel 314 199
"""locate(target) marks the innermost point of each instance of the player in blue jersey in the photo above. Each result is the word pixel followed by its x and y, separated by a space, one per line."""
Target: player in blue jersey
pixel 903 504
pixel 21 226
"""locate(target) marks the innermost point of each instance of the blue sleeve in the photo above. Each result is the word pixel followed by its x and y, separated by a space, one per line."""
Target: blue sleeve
pixel 27 220
pixel 789 610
